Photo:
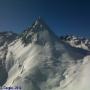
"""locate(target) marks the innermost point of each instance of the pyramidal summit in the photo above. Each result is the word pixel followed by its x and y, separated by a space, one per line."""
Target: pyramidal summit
pixel 39 60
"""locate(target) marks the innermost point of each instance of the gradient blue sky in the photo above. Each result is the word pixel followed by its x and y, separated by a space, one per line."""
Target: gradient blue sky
pixel 63 16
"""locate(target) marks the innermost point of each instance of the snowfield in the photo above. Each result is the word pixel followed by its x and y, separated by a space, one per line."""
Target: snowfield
pixel 38 60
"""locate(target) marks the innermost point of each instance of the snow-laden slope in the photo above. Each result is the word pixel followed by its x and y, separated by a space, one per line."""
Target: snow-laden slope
pixel 39 61
pixel 77 42
pixel 5 39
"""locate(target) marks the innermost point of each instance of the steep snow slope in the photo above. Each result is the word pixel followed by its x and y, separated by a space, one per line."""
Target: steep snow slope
pixel 5 39
pixel 39 61
pixel 76 41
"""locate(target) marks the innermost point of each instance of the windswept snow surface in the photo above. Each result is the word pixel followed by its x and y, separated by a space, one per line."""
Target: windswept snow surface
pixel 42 62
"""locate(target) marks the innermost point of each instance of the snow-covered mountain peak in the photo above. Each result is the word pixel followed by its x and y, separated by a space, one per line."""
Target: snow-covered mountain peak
pixel 39 25
pixel 45 63
pixel 39 32
pixel 39 21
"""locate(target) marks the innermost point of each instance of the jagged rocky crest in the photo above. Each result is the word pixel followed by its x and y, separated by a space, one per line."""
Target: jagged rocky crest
pixel 37 32
pixel 78 42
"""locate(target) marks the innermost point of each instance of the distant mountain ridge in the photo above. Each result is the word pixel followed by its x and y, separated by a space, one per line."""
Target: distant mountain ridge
pixel 75 41
pixel 7 37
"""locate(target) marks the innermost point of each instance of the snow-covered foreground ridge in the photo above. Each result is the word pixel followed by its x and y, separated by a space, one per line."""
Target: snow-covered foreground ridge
pixel 38 60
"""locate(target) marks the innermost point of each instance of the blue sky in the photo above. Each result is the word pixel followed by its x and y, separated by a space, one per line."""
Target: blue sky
pixel 63 16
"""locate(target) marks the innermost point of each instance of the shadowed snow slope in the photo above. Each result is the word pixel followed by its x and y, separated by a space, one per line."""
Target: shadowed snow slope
pixel 39 61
